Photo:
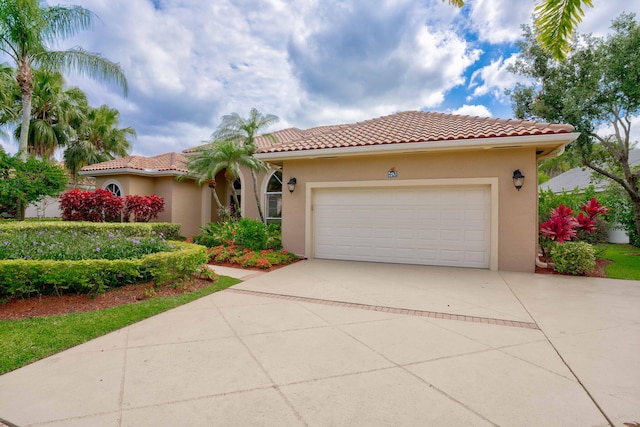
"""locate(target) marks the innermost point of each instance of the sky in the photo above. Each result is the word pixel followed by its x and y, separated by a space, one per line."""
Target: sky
pixel 309 62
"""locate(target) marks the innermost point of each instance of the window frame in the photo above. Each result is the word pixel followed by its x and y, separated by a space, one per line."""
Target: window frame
pixel 268 194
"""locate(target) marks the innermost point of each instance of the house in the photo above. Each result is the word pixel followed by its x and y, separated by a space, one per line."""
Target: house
pixel 49 207
pixel 412 187
pixel 581 178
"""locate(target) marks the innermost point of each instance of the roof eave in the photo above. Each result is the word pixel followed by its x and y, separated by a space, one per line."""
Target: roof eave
pixel 545 144
pixel 131 171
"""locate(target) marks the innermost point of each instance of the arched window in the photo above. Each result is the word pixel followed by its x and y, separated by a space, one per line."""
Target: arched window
pixel 237 185
pixel 273 198
pixel 114 189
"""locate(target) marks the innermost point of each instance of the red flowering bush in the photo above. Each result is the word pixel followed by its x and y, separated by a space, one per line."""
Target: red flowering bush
pixel 142 208
pixel 94 206
pixel 244 257
pixel 563 227
pixel 103 206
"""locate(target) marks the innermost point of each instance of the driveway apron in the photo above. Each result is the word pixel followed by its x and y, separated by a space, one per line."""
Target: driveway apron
pixel 323 343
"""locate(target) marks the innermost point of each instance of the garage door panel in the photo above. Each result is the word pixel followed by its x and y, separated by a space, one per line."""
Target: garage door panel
pixel 417 225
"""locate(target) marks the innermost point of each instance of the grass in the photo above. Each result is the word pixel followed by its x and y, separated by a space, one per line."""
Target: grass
pixel 624 266
pixel 26 340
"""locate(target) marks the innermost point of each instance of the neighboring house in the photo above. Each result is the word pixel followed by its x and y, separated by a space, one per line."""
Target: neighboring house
pixel 49 207
pixel 412 187
pixel 582 178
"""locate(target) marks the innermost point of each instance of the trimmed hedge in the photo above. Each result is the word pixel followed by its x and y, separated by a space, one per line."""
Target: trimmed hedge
pixel 169 230
pixel 22 278
pixel 573 257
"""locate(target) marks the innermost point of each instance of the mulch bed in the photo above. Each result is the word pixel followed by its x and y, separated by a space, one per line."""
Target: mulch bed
pixel 52 305
pixel 228 264
pixel 597 272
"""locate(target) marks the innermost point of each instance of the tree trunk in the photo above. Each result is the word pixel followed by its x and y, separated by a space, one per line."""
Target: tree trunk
pixel 635 201
pixel 221 210
pixel 255 192
pixel 20 210
pixel 25 82
pixel 237 212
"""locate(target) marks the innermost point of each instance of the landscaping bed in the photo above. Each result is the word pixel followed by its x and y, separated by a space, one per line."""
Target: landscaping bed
pixel 52 305
pixel 599 271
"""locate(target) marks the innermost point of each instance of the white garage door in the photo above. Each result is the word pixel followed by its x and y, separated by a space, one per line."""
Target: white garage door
pixel 447 226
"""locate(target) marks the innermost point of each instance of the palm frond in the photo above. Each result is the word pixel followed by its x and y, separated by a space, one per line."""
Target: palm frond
pixel 65 21
pixel 556 21
pixel 85 63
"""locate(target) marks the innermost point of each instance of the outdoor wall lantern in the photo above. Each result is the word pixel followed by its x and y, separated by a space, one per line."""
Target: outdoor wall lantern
pixel 292 184
pixel 518 179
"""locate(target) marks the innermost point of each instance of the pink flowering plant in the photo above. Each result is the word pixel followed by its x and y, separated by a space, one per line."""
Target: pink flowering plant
pixel 565 226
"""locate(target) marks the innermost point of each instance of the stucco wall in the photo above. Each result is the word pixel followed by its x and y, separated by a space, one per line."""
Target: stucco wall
pixel 186 206
pixel 182 199
pixel 517 214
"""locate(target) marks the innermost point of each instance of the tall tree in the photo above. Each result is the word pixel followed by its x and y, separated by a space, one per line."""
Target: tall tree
pixel 596 90
pixel 27 181
pixel 243 131
pixel 222 155
pixel 28 28
pixel 9 94
pixel 556 21
pixel 54 109
pixel 98 138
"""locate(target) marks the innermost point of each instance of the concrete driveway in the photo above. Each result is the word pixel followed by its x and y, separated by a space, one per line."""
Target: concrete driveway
pixel 356 344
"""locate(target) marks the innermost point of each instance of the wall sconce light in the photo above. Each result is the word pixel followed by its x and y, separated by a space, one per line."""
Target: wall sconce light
pixel 292 184
pixel 518 179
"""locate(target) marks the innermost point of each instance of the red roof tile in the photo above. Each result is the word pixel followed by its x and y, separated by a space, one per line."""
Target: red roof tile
pixel 163 162
pixel 413 126
pixel 399 128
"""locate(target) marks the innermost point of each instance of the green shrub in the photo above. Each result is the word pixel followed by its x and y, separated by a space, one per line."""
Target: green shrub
pixel 573 257
pixel 251 234
pixel 179 264
pixel 548 200
pixel 250 258
pixel 168 230
pixel 23 278
pixel 68 246
pixel 622 214
pixel 248 233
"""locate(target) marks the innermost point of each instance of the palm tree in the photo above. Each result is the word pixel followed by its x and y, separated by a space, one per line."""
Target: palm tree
pixel 27 28
pixel 222 155
pixel 244 132
pixel 98 139
pixel 556 21
pixel 53 110
pixel 9 94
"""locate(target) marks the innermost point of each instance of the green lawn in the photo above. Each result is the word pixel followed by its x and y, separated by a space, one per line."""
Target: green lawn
pixel 625 265
pixel 27 340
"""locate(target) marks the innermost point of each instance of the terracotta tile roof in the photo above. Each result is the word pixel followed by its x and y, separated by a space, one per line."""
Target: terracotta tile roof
pixel 413 126
pixel 163 162
pixel 283 135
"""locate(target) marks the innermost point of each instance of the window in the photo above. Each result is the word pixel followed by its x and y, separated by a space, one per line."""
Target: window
pixel 273 198
pixel 237 185
pixel 114 189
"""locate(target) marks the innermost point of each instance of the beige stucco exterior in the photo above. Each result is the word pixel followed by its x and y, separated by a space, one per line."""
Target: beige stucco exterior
pixel 489 162
pixel 187 203
pixel 517 210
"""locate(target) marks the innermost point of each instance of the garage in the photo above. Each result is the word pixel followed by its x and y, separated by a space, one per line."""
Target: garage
pixel 427 225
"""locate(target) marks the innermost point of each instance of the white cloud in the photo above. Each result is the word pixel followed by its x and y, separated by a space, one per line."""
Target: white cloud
pixel 499 21
pixel 189 62
pixel 472 110
pixel 494 78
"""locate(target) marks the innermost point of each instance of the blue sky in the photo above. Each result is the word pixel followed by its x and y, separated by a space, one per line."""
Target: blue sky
pixel 310 62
